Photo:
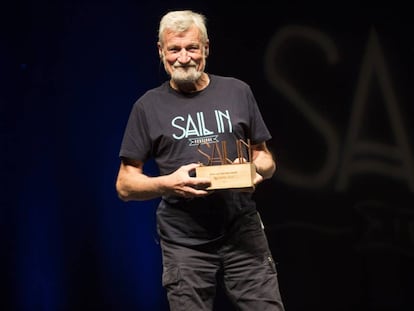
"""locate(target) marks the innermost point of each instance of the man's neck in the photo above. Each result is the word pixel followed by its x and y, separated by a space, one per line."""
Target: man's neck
pixel 192 87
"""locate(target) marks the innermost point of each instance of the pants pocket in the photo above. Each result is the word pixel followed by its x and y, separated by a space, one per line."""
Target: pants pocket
pixel 170 276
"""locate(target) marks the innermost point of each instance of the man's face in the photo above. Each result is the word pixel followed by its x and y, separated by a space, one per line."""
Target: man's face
pixel 183 55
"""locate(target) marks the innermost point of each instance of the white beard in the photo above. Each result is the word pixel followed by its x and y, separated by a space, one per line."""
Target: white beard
pixel 185 75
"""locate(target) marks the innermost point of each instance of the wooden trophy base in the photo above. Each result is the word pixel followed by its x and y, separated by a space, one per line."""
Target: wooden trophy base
pixel 229 176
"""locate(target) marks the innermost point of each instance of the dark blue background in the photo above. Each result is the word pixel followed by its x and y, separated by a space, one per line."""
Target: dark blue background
pixel 70 72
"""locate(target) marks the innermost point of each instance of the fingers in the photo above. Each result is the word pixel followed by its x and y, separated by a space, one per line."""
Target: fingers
pixel 190 167
pixel 194 192
pixel 187 184
pixel 258 179
pixel 194 181
pixel 239 160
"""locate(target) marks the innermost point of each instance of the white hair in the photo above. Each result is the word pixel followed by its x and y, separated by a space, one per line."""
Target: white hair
pixel 180 21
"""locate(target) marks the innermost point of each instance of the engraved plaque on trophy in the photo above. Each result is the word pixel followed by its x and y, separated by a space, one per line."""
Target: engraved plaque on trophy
pixel 223 173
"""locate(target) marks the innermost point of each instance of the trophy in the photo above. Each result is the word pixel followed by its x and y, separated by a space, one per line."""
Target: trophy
pixel 223 173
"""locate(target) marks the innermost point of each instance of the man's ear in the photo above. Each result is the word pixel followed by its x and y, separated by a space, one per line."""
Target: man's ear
pixel 207 49
pixel 159 50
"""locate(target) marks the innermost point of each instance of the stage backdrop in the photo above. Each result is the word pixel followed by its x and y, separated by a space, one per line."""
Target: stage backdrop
pixel 334 84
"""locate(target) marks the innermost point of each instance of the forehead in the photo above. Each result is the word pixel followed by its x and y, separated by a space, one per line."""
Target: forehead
pixel 191 35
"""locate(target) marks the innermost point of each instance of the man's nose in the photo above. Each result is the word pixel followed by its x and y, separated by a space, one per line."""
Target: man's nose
pixel 183 56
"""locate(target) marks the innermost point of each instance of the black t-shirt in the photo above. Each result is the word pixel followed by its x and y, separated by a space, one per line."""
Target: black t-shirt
pixel 172 128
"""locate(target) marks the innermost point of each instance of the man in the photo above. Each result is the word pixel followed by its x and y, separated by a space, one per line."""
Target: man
pixel 206 236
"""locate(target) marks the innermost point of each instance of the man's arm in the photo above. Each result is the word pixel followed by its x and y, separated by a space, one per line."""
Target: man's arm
pixel 133 184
